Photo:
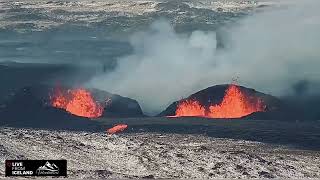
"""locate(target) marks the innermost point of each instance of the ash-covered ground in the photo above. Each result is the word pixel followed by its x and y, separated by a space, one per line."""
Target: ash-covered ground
pixel 154 155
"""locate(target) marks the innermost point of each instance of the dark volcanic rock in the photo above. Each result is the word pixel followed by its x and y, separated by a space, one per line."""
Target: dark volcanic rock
pixel 293 108
pixel 116 105
pixel 31 107
pixel 214 95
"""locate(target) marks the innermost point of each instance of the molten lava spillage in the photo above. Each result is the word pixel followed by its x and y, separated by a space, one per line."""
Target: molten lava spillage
pixel 117 128
pixel 235 104
pixel 78 102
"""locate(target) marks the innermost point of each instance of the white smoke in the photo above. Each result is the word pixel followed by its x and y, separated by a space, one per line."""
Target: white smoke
pixel 268 51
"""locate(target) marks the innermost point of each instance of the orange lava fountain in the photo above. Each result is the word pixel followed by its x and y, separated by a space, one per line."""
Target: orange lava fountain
pixel 190 108
pixel 236 104
pixel 78 102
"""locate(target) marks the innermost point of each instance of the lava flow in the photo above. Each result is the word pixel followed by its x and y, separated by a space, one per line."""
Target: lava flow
pixel 117 128
pixel 235 104
pixel 78 102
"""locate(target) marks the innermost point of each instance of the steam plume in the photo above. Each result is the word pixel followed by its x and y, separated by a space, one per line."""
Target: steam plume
pixel 270 51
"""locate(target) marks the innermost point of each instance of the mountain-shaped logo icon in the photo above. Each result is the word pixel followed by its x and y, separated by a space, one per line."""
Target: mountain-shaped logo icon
pixel 48 168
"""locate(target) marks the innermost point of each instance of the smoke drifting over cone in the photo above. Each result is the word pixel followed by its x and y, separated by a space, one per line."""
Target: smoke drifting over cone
pixel 270 51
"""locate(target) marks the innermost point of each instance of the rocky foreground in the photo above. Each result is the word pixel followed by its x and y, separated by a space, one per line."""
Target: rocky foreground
pixel 97 155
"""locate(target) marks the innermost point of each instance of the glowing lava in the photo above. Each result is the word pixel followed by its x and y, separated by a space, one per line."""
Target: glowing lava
pixel 78 102
pixel 117 128
pixel 190 108
pixel 235 104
